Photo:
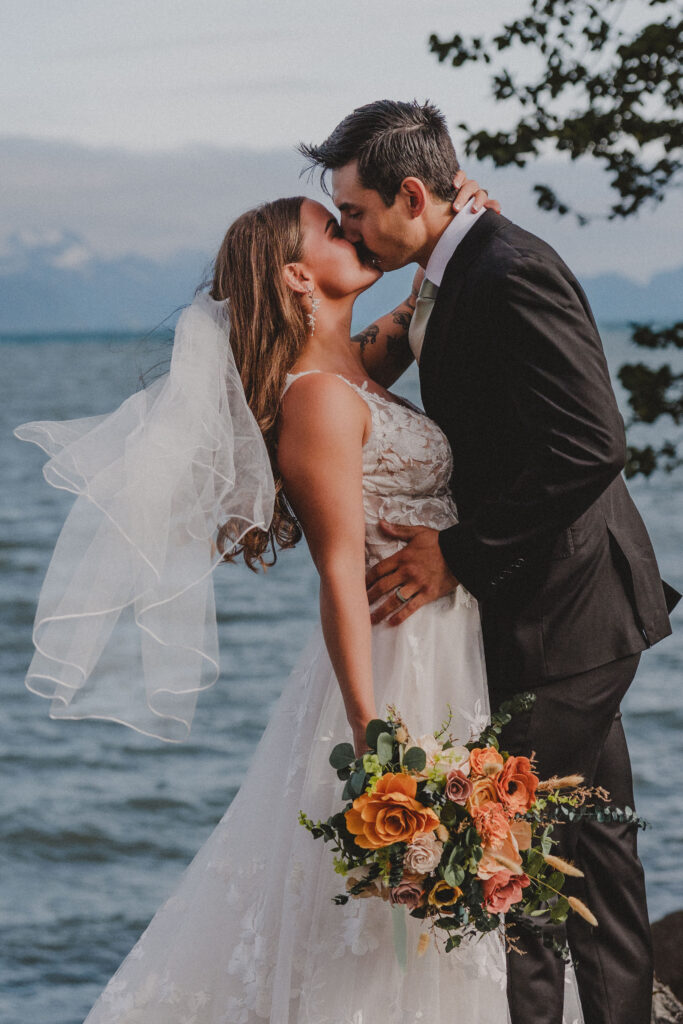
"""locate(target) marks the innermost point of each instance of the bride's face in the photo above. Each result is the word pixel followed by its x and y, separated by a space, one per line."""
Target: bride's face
pixel 333 262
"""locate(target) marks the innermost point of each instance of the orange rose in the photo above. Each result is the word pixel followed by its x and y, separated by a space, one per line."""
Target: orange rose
pixel 491 823
pixel 390 814
pixel 485 761
pixel 483 790
pixel 516 785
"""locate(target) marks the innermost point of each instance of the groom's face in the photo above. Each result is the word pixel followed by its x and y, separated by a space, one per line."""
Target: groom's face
pixel 388 233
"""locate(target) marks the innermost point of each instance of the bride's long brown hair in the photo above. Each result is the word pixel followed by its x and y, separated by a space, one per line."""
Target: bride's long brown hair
pixel 267 333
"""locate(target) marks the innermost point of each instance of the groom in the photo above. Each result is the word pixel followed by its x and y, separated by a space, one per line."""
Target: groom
pixel 548 539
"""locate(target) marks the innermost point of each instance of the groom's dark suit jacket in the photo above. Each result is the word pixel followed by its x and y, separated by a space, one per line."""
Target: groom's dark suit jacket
pixel 548 538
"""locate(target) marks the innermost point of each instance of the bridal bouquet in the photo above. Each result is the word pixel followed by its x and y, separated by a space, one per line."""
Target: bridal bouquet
pixel 456 834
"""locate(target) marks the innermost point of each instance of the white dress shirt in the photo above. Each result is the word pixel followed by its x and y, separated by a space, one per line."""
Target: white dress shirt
pixel 443 250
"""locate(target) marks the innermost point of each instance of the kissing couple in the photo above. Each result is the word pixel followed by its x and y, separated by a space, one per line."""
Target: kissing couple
pixel 485 546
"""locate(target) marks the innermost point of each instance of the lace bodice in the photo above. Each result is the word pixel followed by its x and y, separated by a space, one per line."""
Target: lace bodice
pixel 407 467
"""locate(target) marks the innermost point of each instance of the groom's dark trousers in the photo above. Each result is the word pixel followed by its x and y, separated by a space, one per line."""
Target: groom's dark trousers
pixel 551 544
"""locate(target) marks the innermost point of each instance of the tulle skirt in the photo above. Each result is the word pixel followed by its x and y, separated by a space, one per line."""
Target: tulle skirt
pixel 251 934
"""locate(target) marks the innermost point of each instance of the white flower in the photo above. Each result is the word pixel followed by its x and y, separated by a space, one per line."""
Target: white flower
pixel 423 854
pixel 454 757
pixel 443 760
pixel 432 749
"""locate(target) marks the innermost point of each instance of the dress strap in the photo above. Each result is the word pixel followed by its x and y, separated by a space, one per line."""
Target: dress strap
pixel 291 377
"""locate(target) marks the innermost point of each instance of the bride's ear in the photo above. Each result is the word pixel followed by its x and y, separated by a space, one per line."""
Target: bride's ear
pixel 296 278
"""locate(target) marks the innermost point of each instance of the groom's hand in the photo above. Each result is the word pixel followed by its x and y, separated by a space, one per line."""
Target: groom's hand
pixel 419 569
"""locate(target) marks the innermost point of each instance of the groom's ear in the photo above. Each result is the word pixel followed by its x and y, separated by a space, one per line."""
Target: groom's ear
pixel 414 195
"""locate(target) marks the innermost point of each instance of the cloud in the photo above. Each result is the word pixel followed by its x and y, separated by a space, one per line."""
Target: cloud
pixel 157 204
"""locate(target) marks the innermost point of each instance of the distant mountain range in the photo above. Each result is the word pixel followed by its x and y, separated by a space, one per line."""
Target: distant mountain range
pixel 54 283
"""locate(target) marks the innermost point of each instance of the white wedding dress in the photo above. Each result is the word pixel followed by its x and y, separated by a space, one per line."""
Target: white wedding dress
pixel 250 933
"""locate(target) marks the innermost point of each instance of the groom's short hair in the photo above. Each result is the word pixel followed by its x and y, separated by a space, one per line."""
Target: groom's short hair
pixel 391 141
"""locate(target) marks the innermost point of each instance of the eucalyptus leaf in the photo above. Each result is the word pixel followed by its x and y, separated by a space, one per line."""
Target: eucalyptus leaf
pixel 560 912
pixel 449 877
pixel 342 755
pixel 372 731
pixel 385 747
pixel 415 759
pixel 357 782
pixel 556 880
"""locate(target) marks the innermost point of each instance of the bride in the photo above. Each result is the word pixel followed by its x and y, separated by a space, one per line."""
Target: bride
pixel 278 400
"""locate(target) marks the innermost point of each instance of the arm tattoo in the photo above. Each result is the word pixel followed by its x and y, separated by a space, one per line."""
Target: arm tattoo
pixel 401 318
pixel 367 337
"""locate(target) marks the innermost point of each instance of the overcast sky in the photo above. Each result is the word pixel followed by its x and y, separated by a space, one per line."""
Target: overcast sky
pixel 128 122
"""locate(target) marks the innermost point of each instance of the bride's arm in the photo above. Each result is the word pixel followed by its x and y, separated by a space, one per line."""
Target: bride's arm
pixel 384 344
pixel 323 427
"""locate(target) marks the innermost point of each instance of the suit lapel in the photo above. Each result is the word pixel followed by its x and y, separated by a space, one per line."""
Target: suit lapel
pixel 437 332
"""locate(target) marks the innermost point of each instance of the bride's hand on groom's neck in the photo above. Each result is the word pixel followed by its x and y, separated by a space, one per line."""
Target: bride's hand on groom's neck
pixel 468 188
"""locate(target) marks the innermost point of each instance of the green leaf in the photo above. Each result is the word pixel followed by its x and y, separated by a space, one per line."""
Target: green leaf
pixel 534 863
pixel 385 747
pixel 357 782
pixel 449 813
pixel 556 880
pixel 373 730
pixel 559 912
pixel 414 759
pixel 458 874
pixel 449 876
pixel 342 755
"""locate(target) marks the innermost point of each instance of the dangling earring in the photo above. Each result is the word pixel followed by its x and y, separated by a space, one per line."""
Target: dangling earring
pixel 315 306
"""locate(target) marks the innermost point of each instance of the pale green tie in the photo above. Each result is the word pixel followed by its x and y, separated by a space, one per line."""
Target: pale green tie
pixel 423 309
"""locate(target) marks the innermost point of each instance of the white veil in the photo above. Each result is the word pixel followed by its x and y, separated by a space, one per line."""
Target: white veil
pixel 126 624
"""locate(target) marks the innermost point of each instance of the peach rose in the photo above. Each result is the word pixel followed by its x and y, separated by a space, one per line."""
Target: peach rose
pixel 485 761
pixel 483 790
pixel 458 787
pixel 423 853
pixel 491 823
pixel 521 830
pixel 504 855
pixel 390 814
pixel 503 890
pixel 517 785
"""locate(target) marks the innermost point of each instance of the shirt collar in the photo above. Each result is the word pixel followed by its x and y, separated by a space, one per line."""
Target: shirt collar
pixel 449 242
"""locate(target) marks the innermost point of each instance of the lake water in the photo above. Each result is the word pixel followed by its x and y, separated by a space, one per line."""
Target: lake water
pixel 98 822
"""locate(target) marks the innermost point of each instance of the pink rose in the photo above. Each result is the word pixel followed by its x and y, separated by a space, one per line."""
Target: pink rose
pixel 502 890
pixel 458 787
pixel 409 893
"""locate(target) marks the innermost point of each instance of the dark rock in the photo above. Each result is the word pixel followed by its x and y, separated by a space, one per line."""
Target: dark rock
pixel 666 1009
pixel 667 940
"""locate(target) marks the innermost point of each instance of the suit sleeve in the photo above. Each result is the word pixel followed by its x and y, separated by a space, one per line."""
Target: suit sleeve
pixel 547 355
